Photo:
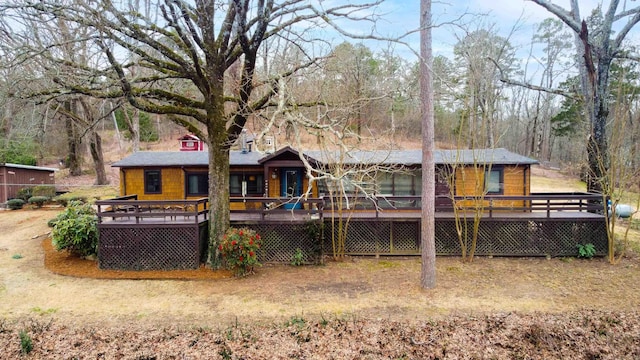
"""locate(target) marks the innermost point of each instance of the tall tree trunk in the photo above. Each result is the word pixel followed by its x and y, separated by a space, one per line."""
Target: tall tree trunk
pixel 428 247
pixel 218 145
pixel 42 130
pixel 73 142
pixel 95 147
pixel 598 111
pixel 133 125
pixel 594 75
pixel 135 134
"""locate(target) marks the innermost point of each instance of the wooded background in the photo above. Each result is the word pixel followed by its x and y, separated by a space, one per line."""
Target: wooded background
pixel 480 100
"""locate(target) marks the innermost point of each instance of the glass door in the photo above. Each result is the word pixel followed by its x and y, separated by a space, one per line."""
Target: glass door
pixel 291 186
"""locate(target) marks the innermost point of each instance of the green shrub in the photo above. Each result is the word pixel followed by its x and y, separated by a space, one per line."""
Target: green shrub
pixel 61 200
pixel 76 230
pixel 25 193
pixel 38 201
pixel 298 258
pixel 44 190
pixel 239 248
pixel 20 151
pixel 15 204
pixel 586 251
pixel 82 199
pixel 26 344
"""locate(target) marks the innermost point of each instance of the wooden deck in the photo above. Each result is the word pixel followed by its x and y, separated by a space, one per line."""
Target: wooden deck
pixel 148 218
pixel 536 206
pixel 150 234
pixel 416 214
pixel 128 210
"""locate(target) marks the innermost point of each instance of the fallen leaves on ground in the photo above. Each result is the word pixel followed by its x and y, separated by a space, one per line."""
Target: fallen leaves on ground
pixel 578 335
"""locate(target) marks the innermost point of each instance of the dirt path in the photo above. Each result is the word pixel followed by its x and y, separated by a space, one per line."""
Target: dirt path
pixel 364 288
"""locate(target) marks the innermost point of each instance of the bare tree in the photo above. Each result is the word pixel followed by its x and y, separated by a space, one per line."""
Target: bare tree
pixel 200 59
pixel 428 247
pixel 349 177
pixel 481 56
pixel 351 69
pixel 555 43
pixel 467 173
pixel 62 57
pixel 596 52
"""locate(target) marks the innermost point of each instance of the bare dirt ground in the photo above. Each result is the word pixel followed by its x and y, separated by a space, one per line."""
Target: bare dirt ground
pixel 362 308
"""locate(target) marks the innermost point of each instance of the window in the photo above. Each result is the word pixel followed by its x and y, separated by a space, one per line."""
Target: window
pixel 493 181
pixel 385 183
pixel 246 184
pixel 152 182
pixel 255 184
pixel 400 183
pixel 197 184
pixel 235 184
pixel 403 184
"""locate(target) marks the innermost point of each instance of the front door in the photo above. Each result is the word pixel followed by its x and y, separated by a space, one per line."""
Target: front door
pixel 291 185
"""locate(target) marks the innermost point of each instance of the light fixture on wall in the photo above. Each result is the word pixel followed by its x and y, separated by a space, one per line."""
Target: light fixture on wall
pixel 274 174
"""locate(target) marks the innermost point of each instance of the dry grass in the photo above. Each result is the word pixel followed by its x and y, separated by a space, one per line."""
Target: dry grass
pixel 361 308
pixel 545 180
pixel 385 288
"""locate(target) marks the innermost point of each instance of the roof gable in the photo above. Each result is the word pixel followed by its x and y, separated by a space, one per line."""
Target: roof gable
pixel 288 153
pixel 189 137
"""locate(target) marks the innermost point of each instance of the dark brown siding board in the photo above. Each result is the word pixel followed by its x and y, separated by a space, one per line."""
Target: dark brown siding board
pixel 15 178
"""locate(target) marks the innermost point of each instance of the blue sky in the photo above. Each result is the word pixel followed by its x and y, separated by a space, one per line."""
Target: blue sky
pixel 400 16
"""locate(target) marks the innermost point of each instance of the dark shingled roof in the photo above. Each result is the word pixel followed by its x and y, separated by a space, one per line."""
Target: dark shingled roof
pixel 414 157
pixel 184 158
pixel 387 157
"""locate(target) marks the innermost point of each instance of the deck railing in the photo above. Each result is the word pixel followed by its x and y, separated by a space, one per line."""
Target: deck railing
pixel 536 202
pixel 489 204
pixel 315 208
pixel 263 207
pixel 130 207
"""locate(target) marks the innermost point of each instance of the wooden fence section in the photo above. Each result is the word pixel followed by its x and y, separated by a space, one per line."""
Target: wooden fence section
pixel 548 203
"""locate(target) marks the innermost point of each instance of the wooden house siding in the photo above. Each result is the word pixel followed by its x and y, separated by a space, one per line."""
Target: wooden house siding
pixel 470 181
pixel 171 179
pixel 285 167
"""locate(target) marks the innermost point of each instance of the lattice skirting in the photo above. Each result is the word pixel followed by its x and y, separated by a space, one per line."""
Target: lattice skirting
pixel 386 237
pixel 523 237
pixel 495 237
pixel 184 247
pixel 375 237
pixel 281 241
pixel 152 248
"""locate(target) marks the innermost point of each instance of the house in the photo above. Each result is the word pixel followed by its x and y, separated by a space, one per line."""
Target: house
pixel 282 174
pixel 191 142
pixel 514 221
pixel 14 177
